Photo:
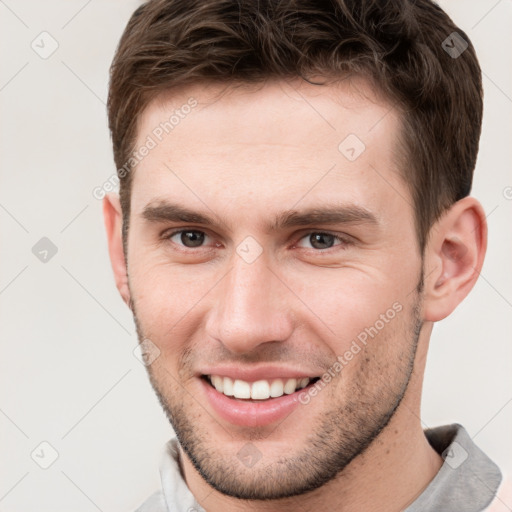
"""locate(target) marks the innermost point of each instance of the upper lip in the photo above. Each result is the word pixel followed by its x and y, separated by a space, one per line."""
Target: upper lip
pixel 253 374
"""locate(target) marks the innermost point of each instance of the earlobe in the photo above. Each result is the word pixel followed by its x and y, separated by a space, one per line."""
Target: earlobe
pixel 453 258
pixel 113 219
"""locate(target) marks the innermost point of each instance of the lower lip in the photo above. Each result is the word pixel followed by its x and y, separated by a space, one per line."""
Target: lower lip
pixel 251 413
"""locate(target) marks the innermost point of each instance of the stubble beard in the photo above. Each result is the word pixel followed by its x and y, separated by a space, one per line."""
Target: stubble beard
pixel 336 438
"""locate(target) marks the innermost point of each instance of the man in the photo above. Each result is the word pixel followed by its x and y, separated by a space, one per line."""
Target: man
pixel 294 215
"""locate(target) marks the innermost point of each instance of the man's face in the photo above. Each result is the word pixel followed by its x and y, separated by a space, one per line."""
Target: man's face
pixel 267 244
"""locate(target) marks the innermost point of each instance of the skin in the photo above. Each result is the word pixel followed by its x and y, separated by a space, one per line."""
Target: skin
pixel 243 157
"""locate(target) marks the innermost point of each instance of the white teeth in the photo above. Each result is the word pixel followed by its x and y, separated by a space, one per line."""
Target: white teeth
pixel 302 383
pixel 218 382
pixel 259 390
pixel 228 386
pixel 277 388
pixel 290 386
pixel 241 389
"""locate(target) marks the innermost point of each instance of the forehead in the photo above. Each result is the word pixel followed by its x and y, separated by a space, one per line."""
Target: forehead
pixel 269 143
pixel 240 111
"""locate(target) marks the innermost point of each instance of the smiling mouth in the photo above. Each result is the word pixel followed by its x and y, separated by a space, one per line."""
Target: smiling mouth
pixel 258 390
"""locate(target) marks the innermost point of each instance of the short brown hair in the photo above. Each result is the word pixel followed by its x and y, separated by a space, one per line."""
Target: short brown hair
pixel 407 48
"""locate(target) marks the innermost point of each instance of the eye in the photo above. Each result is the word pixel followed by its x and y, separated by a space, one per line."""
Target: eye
pixel 190 238
pixel 319 240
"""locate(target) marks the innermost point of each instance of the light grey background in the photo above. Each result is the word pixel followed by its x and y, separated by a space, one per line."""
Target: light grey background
pixel 68 374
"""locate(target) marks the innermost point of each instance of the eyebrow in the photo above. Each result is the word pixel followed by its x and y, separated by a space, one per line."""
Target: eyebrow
pixel 170 212
pixel 333 214
pixel 347 214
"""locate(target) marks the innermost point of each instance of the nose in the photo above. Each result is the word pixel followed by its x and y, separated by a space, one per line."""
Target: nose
pixel 252 307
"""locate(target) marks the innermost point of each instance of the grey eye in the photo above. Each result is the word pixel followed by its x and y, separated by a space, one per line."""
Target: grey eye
pixel 321 240
pixel 190 238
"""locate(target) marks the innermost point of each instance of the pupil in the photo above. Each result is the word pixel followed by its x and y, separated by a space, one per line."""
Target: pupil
pixel 321 240
pixel 192 238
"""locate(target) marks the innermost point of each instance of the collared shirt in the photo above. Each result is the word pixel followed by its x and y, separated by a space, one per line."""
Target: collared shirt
pixel 467 481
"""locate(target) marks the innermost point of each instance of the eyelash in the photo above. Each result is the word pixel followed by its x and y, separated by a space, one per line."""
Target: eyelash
pixel 343 241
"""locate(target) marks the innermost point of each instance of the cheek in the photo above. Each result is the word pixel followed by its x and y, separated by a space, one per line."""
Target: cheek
pixel 167 298
pixel 375 357
pixel 168 288
pixel 349 300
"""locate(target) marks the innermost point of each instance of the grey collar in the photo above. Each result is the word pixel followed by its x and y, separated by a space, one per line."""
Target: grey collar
pixel 467 481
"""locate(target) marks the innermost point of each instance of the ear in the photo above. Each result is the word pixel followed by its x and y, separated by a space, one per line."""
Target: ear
pixel 454 256
pixel 113 224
